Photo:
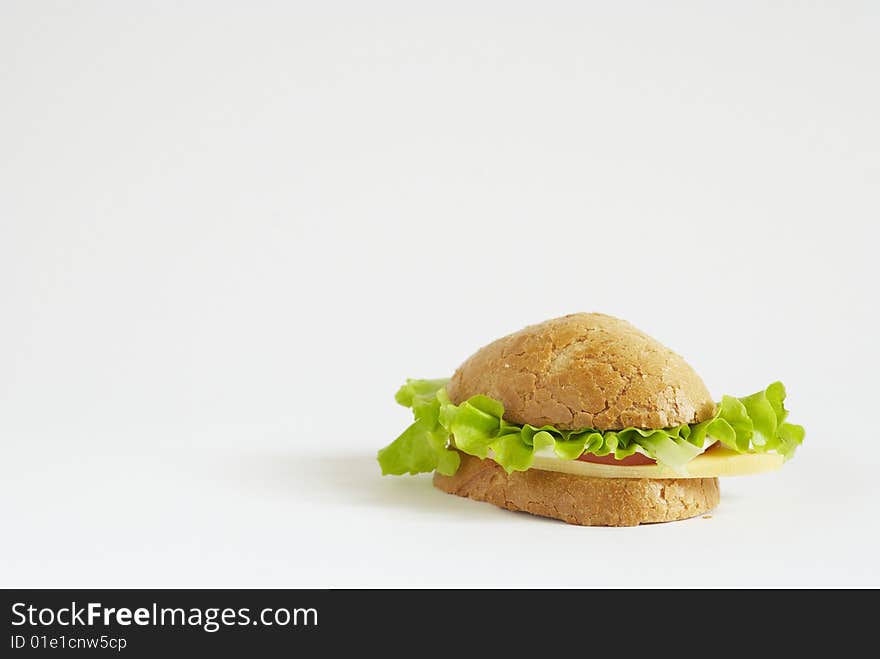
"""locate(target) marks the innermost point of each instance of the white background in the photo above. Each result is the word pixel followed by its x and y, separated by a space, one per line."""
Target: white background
pixel 228 234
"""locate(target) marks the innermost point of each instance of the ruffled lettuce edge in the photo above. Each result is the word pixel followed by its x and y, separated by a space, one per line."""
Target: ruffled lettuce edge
pixel 751 424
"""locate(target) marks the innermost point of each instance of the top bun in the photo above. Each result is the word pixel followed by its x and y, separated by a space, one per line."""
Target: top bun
pixel 585 370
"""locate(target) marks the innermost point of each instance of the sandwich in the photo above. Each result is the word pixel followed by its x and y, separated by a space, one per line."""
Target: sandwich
pixel 587 419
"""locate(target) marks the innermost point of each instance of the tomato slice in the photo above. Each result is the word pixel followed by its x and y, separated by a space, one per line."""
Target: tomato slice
pixel 629 461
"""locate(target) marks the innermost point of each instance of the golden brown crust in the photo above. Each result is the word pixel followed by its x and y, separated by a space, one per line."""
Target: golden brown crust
pixel 581 500
pixel 585 370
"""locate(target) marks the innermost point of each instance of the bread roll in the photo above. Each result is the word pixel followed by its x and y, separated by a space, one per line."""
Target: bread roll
pixel 581 500
pixel 585 370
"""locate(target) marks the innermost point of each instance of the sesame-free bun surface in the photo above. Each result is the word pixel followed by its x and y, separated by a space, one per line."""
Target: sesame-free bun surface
pixel 580 499
pixel 585 370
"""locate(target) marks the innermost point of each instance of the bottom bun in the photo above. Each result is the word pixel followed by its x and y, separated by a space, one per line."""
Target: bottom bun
pixel 580 499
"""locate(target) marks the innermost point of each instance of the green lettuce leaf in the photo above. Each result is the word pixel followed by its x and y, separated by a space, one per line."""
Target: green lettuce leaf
pixel 423 446
pixel 752 424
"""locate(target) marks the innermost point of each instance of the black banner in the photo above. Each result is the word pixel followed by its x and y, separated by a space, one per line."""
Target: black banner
pixel 135 623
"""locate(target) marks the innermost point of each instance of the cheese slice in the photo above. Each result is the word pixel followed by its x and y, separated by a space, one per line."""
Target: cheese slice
pixel 717 461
